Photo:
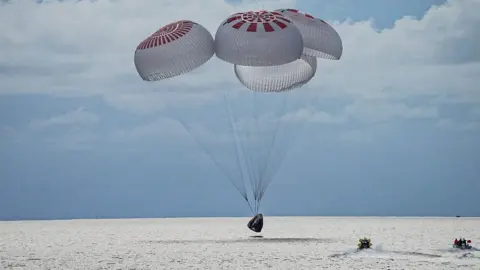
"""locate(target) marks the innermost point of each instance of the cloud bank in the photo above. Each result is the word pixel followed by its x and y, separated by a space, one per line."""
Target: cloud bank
pixel 85 48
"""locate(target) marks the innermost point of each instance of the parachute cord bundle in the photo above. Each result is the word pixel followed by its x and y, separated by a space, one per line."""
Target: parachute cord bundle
pixel 203 143
pixel 255 146
pixel 238 148
pixel 273 54
pixel 264 142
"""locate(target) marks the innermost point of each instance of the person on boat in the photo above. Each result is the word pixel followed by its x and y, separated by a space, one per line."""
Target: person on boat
pixel 364 243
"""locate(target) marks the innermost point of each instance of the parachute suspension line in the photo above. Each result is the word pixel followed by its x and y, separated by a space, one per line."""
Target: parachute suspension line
pixel 251 158
pixel 289 142
pixel 243 191
pixel 235 135
pixel 247 161
pixel 261 158
pixel 265 148
pixel 264 175
pixel 237 147
pixel 275 163
pixel 249 206
pixel 285 143
pixel 258 136
pixel 251 135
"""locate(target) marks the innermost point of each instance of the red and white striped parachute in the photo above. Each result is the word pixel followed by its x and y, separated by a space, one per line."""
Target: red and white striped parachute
pixel 319 38
pixel 272 51
pixel 258 39
pixel 174 49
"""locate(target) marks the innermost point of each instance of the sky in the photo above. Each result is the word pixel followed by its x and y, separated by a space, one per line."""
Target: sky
pixel 392 128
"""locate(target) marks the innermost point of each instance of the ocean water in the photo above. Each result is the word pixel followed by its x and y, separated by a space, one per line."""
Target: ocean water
pixel 226 243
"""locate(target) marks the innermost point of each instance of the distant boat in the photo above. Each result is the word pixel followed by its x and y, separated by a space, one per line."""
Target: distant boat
pixel 458 216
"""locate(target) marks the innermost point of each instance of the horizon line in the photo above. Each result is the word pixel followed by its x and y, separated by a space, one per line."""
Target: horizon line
pixel 238 217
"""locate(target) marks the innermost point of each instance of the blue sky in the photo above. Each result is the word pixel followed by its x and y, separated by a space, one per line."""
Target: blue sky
pixel 395 129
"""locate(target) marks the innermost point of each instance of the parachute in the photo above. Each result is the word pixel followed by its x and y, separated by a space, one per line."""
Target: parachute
pixel 320 39
pixel 258 38
pixel 174 49
pixel 246 132
pixel 278 78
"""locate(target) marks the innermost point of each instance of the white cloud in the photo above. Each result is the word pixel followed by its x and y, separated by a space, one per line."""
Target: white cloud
pixel 476 111
pixel 450 124
pixel 375 111
pixel 179 129
pixel 355 136
pixel 76 117
pixel 471 126
pixel 6 131
pixel 311 115
pixel 74 140
pixel 9 134
pixel 445 123
pixel 366 111
pixel 414 58
pixel 86 48
pixel 154 130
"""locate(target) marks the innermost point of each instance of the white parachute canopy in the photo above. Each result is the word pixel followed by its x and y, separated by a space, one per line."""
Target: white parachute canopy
pixel 174 49
pixel 266 50
pixel 278 78
pixel 319 38
pixel 258 38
